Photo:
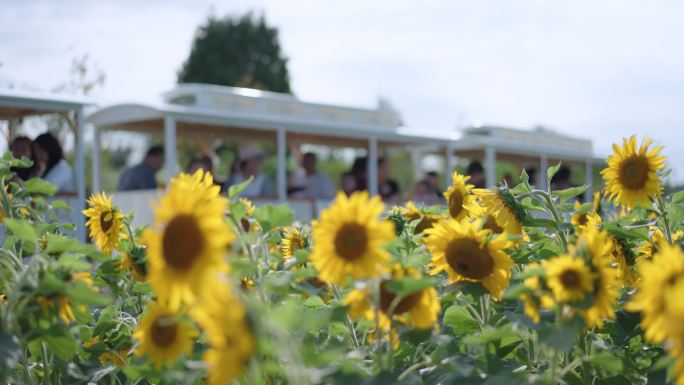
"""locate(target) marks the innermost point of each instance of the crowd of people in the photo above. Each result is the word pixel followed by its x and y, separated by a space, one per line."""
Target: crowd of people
pixel 47 156
pixel 308 181
pixel 49 164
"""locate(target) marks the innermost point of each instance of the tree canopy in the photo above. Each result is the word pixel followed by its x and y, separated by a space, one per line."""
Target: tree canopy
pixel 239 52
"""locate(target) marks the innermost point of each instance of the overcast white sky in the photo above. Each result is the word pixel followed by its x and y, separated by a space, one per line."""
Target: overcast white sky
pixel 600 70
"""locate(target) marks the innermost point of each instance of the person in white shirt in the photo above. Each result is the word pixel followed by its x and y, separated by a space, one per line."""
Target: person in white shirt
pixel 317 184
pixel 51 165
pixel 251 159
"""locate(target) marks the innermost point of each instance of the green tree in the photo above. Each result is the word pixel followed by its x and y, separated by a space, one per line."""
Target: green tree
pixel 240 52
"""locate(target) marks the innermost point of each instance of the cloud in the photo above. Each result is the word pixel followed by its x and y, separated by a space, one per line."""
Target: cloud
pixel 600 70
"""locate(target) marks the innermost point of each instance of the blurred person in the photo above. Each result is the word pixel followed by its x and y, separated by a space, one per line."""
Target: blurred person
pixel 360 171
pixel 424 193
pixel 143 176
pixel 21 147
pixel 251 160
pixel 296 185
pixel 203 162
pixel 317 184
pixel 348 183
pixel 476 173
pixel 50 163
pixel 387 188
pixel 433 179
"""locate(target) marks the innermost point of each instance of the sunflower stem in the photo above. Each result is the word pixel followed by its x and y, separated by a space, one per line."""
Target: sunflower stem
pixel 46 363
pixel 130 232
pixel 666 219
pixel 556 217
pixel 347 320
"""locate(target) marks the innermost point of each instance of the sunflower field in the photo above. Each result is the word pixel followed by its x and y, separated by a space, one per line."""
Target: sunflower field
pixel 511 285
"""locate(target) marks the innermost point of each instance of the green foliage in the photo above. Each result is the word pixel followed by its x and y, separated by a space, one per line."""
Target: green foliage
pixel 239 52
pixel 305 331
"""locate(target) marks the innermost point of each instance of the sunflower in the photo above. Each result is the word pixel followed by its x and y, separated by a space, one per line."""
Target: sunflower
pixel 230 338
pixel 594 246
pixel 187 241
pixel 487 221
pixel 591 218
pixel 116 357
pixel 466 253
pixel 292 241
pixel 632 175
pixel 348 239
pixel 427 219
pixel 419 309
pixel 459 196
pixel 245 223
pixel 534 301
pixel 104 221
pixel 63 304
pixel 163 335
pixel 624 256
pixel 674 327
pixel 569 278
pixel 649 248
pixel 502 206
pixel 657 276
pixel 135 265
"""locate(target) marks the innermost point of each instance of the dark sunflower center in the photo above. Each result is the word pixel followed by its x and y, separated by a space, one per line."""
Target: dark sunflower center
pixel 163 332
pixel 387 297
pixel 468 259
pixel 245 224
pixel 351 241
pixel 455 204
pixel 182 242
pixel 423 224
pixel 634 172
pixel 582 219
pixel 106 221
pixel 570 279
pixel 296 244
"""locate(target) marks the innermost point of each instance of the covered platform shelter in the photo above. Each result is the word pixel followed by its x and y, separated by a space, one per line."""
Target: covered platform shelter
pixel 16 105
pixel 540 147
pixel 197 110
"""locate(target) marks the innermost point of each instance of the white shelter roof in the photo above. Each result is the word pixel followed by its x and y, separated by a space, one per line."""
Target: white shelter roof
pixel 16 104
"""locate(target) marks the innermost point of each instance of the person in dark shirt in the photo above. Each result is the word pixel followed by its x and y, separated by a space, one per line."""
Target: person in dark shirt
pixel 142 176
pixel 387 188
pixel 476 172
pixel 433 180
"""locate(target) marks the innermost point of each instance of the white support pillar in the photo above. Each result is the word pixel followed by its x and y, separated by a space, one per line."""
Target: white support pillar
pixel 373 165
pixel 490 166
pixel 170 157
pixel 12 125
pixel 416 161
pixel 97 163
pixel 450 164
pixel 80 176
pixel 543 166
pixel 589 179
pixel 281 171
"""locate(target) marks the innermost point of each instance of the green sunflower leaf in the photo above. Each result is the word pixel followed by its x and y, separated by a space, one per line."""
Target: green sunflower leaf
pixel 409 285
pixel 22 229
pixel 40 186
pixel 568 193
